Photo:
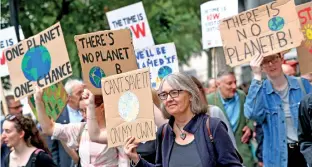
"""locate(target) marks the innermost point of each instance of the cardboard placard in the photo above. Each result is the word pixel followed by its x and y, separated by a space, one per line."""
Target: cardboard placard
pixel 39 60
pixel 54 99
pixel 128 107
pixel 104 53
pixel 161 59
pixel 7 38
pixel 211 14
pixel 305 49
pixel 132 17
pixel 266 30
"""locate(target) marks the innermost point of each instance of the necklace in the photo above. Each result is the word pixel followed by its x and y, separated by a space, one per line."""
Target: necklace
pixel 182 135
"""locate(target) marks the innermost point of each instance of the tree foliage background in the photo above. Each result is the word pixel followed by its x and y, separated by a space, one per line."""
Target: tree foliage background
pixel 175 21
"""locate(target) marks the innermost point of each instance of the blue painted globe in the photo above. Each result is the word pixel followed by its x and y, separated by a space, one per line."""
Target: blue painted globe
pixel 164 71
pixel 276 23
pixel 95 76
pixel 36 63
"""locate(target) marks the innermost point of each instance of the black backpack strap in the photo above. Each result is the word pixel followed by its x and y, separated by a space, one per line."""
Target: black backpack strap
pixel 34 157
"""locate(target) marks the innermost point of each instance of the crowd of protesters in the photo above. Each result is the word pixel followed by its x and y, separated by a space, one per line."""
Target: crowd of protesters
pixel 197 126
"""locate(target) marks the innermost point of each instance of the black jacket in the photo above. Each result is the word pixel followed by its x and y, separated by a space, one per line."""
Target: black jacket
pixel 305 129
pixel 224 153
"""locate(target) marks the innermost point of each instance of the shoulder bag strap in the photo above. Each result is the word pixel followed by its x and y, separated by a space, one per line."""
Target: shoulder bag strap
pixel 301 86
pixel 213 143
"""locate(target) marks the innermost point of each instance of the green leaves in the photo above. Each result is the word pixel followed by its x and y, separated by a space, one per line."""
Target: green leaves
pixel 175 21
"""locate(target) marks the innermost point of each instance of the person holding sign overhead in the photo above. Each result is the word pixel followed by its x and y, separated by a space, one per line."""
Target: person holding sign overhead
pixel 274 103
pixel 187 139
pixel 76 135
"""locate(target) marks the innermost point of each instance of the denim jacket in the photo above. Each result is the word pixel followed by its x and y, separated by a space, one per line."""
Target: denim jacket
pixel 265 106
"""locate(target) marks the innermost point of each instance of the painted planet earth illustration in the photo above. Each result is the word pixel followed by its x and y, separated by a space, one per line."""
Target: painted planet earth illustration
pixel 95 76
pixel 164 71
pixel 36 63
pixel 128 106
pixel 276 23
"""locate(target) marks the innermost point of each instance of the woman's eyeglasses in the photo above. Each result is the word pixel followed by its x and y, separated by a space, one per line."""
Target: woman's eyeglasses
pixel 172 93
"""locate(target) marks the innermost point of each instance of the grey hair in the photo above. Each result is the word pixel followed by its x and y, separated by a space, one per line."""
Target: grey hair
pixel 225 71
pixel 184 82
pixel 70 84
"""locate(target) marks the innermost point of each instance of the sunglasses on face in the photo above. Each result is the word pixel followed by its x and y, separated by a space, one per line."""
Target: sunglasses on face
pixel 172 93
pixel 16 107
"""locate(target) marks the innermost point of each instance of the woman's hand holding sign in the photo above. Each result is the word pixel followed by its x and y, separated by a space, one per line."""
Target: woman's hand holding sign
pixel 130 149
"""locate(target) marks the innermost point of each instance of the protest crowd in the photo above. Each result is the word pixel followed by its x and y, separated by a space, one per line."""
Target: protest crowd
pixel 133 106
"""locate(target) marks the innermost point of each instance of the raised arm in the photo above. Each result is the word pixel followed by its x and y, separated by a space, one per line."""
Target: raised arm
pixel 96 134
pixel 253 107
pixel 46 124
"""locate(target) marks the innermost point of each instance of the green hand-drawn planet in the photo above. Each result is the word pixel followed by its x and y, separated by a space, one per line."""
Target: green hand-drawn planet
pixel 128 106
pixel 95 76
pixel 36 63
pixel 276 23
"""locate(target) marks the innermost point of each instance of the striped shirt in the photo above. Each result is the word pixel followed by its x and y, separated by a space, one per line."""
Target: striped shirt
pixel 91 154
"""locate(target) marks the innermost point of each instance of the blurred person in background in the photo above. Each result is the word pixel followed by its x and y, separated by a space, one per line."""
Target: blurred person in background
pixel 211 86
pixel 231 101
pixel 288 70
pixel 214 111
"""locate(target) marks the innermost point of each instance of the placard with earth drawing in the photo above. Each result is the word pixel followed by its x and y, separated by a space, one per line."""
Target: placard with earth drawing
pixel 265 30
pixel 39 60
pixel 305 49
pixel 104 53
pixel 129 107
pixel 54 100
pixel 161 59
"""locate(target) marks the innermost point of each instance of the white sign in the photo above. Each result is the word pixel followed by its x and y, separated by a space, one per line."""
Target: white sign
pixel 7 38
pixel 211 14
pixel 134 18
pixel 162 60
